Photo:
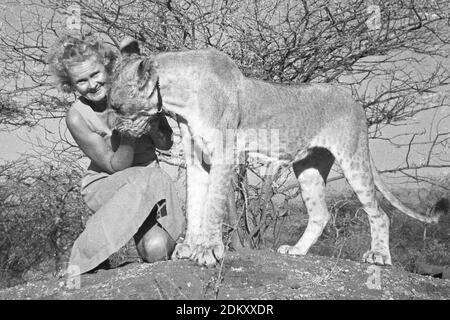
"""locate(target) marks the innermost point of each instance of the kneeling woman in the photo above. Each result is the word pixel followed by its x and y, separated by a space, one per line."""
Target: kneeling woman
pixel 123 184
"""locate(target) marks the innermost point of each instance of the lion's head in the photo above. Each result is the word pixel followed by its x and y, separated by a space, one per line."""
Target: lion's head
pixel 134 93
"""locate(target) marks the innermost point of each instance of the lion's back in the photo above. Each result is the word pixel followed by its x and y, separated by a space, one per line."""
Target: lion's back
pixel 301 102
pixel 210 61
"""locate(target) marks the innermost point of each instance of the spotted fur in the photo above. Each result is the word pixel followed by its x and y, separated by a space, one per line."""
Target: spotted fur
pixel 317 124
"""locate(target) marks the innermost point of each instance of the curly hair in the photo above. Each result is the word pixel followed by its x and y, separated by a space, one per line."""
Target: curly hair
pixel 69 50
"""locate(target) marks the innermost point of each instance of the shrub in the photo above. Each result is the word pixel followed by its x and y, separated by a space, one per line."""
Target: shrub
pixel 41 214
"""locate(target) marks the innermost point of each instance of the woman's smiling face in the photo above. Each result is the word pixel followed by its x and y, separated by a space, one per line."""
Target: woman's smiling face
pixel 89 78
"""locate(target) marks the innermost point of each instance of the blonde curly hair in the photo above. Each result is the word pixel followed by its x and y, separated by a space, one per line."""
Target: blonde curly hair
pixel 69 50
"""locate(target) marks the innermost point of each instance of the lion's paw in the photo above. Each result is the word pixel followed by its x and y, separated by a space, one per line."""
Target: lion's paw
pixel 182 251
pixel 378 258
pixel 292 250
pixel 208 255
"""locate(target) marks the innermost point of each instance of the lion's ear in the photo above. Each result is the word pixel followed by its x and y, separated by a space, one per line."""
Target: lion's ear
pixel 146 74
pixel 129 46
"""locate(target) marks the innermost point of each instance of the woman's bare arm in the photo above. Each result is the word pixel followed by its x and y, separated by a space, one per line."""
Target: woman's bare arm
pixel 96 148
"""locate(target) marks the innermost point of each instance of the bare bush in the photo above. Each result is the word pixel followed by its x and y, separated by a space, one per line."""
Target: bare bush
pixel 40 217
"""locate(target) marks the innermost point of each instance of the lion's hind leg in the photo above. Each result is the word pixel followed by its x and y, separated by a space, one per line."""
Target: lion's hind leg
pixel 357 170
pixel 312 173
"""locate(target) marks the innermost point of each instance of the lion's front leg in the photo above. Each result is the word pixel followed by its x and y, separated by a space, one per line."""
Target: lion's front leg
pixel 197 180
pixel 206 205
pixel 208 245
pixel 197 186
pixel 208 182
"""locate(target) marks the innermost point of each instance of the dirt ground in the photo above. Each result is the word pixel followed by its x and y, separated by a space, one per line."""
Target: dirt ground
pixel 244 275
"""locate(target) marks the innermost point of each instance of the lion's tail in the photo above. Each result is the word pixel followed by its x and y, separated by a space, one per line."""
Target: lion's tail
pixel 433 214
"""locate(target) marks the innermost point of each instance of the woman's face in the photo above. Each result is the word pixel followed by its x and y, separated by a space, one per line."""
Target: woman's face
pixel 89 79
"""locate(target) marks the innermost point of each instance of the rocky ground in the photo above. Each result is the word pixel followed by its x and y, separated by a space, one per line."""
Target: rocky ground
pixel 244 275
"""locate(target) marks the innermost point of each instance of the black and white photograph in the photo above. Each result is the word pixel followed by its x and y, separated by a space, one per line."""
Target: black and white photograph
pixel 225 150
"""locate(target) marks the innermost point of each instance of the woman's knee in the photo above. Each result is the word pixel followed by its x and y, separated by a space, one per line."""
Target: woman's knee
pixel 155 245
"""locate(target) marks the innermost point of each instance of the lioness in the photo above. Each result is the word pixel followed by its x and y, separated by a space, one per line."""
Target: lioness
pixel 206 93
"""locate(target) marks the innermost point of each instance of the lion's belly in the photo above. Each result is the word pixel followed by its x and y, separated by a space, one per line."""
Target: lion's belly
pixel 297 116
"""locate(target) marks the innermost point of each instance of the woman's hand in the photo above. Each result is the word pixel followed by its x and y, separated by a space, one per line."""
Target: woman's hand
pixel 161 132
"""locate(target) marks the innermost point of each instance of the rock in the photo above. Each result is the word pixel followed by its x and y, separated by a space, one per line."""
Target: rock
pixel 247 274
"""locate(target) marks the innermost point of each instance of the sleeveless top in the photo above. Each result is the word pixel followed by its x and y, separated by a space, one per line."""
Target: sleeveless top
pixel 144 151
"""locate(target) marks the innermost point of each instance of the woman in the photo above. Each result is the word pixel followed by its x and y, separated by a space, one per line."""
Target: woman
pixel 123 182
